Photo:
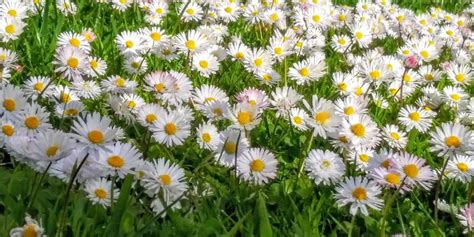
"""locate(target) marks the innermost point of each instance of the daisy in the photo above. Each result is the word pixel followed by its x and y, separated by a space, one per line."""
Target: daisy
pixel 121 5
pixel 208 93
pixel 69 110
pixel 395 137
pixel 96 67
pixel 298 118
pixel 238 50
pixel 412 117
pixel 429 74
pixel 10 29
pixel 415 172
pixel 254 97
pixel 94 133
pixel 7 130
pixel 245 116
pixel 171 129
pixel 388 178
pixel 360 193
pixel 361 34
pixel 12 101
pixel 257 165
pixel 64 95
pixel 190 42
pixel 71 62
pixel 460 74
pixel 31 228
pixel 37 85
pixel 361 157
pixel 466 217
pixel 129 43
pixel 191 12
pixel 283 99
pixel 460 168
pixel 135 65
pixel 119 159
pixel 361 130
pixel 14 9
pixel 148 114
pixel 343 82
pixel 164 176
pixel 99 191
pixel 205 63
pixel 118 84
pixel 155 37
pixel 52 145
pixel 324 167
pixel 258 60
pixel 323 114
pixel 75 40
pixel 350 106
pixel 341 43
pixel 454 96
pixel 215 110
pixel 232 143
pixel 33 119
pixel 86 89
pixel 207 136
pixel 451 138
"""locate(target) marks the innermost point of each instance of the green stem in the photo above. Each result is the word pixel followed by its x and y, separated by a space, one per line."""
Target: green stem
pixel 36 188
pixel 387 206
pixel 352 225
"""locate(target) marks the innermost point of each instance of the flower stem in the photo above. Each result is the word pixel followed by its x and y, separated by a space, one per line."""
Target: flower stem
pixel 36 188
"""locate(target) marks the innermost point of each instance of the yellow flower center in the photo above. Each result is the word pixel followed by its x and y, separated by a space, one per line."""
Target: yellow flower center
pixel 230 148
pixel 297 120
pixel 120 82
pixel 116 161
pixel 326 164
pixel 364 158
pixel 228 9
pixel 358 129
pixel 424 54
pixel 453 142
pixel 411 170
pixel 155 36
pixel 129 44
pixel 10 29
pixel 375 74
pixel 94 64
pixel 165 179
pixel 342 86
pixel 460 77
pixel 75 42
pixel 96 137
pixel 360 194
pixel 32 122
pixel 131 104
pixel 349 110
pixel 150 118
pixel 392 178
pixel 278 50
pixel 304 72
pixel 395 135
pixel 100 193
pixel 274 17
pixel 316 18
pixel 341 18
pixel 206 137
pixel 462 167
pixel 204 64
pixel 190 11
pixel 8 130
pixel 12 12
pixel 322 117
pixel 341 41
pixel 359 35
pixel 258 62
pixel 170 129
pixel 218 112
pixel 244 118
pixel 415 116
pixel 9 104
pixel 191 44
pixel 73 63
pixel 52 150
pixel 159 87
pixel 406 78
pixel 257 166
pixel 30 231
pixel 343 139
pixel 455 97
pixel 71 112
pixel 429 77
pixel 239 55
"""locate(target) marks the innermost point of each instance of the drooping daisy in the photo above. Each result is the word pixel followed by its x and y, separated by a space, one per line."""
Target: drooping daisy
pixel 452 138
pixel 460 168
pixel 324 167
pixel 360 193
pixel 31 228
pixel 98 191
pixel 257 165
pixel 207 136
pixel 164 176
pixel 119 159
pixel 232 143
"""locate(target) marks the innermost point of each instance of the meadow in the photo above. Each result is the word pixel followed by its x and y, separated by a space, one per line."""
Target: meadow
pixel 236 118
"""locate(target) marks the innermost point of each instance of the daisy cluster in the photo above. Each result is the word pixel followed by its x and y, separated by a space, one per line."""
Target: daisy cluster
pixel 59 123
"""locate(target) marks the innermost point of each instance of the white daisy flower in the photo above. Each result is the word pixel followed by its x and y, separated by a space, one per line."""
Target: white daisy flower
pixel 360 193
pixel 99 191
pixel 324 167
pixel 257 165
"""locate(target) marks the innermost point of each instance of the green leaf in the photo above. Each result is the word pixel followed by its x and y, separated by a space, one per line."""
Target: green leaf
pixel 120 207
pixel 265 229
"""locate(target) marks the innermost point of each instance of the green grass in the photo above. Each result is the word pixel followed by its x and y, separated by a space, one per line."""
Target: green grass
pixel 283 208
